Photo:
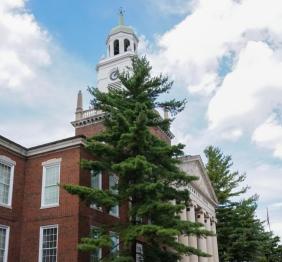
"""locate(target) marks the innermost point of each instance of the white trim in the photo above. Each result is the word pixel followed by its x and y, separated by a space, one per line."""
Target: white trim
pixel 114 191
pixel 113 214
pixel 112 233
pixel 100 187
pixel 50 163
pixel 100 249
pixel 12 146
pixel 7 237
pixel 7 161
pixel 55 146
pixel 10 163
pixel 41 240
pixel 42 148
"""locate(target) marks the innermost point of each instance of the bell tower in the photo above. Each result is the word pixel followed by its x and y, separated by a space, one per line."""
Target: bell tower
pixel 122 44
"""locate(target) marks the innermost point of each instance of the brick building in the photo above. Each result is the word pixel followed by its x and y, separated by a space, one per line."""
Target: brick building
pixel 39 221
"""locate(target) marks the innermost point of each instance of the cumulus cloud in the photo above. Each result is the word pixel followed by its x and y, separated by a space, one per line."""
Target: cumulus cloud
pixel 251 89
pixel 269 135
pixel 231 52
pixel 228 55
pixel 23 45
pixel 35 76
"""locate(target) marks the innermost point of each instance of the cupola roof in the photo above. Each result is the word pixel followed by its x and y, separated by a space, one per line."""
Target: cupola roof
pixel 121 27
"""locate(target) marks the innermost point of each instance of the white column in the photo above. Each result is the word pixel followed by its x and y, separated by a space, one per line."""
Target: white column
pixel 121 45
pixel 183 239
pixel 214 243
pixel 202 242
pixel 192 240
pixel 209 240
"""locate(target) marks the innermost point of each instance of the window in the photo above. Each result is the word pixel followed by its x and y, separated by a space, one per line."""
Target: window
pixel 50 180
pixel 97 254
pixel 96 182
pixel 48 243
pixel 6 181
pixel 116 47
pixel 126 45
pixel 139 253
pixel 113 181
pixel 4 243
pixel 115 242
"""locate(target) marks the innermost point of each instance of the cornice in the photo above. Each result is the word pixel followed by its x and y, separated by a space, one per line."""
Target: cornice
pixel 56 145
pixel 198 159
pixel 115 58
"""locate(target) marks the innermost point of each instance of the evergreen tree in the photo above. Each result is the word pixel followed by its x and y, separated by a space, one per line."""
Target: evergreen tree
pixel 241 236
pixel 147 169
pixel 225 182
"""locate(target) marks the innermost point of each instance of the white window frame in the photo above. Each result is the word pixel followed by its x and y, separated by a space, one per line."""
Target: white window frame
pixel 10 163
pixel 117 206
pixel 100 187
pixel 7 228
pixel 112 233
pixel 50 163
pixel 99 249
pixel 41 241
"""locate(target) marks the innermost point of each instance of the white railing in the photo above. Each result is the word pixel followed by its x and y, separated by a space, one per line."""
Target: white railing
pixel 90 112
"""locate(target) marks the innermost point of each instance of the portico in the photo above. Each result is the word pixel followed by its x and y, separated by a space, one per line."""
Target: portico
pixel 201 209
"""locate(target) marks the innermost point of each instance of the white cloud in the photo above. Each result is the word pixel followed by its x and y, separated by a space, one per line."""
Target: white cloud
pixel 23 47
pixel 173 7
pixel 252 89
pixel 38 80
pixel 192 50
pixel 246 33
pixel 269 135
pixel 228 54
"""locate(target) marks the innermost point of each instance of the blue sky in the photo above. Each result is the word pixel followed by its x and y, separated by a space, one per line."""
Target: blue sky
pixel 224 56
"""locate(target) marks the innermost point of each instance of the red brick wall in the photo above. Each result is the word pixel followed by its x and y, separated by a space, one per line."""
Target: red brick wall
pixel 66 215
pixel 90 130
pixel 93 217
pixel 12 216
pixel 160 134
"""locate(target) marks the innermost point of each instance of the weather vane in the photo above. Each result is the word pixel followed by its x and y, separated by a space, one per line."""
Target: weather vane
pixel 121 16
pixel 121 11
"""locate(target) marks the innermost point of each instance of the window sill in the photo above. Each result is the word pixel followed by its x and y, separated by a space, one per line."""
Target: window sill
pixel 113 215
pixel 6 205
pixel 50 206
pixel 97 208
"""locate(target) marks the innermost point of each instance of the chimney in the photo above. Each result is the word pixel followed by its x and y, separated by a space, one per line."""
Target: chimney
pixel 79 107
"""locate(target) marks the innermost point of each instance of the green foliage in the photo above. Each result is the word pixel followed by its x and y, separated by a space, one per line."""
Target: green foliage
pixel 225 182
pixel 147 168
pixel 241 236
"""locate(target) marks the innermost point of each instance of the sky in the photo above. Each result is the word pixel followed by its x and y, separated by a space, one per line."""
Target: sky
pixel 225 57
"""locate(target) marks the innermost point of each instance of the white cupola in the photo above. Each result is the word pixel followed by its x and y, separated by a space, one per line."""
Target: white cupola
pixel 121 39
pixel 122 44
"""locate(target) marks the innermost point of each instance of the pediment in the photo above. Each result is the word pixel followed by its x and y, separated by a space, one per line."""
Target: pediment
pixel 193 165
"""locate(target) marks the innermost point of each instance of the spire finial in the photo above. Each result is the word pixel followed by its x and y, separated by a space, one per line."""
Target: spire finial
pixel 79 106
pixel 121 16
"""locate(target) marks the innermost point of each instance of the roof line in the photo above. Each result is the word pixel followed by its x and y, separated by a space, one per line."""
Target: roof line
pixel 24 151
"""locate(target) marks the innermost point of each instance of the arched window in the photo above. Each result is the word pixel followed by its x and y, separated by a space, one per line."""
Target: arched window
pixel 116 47
pixel 126 45
pixel 134 47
